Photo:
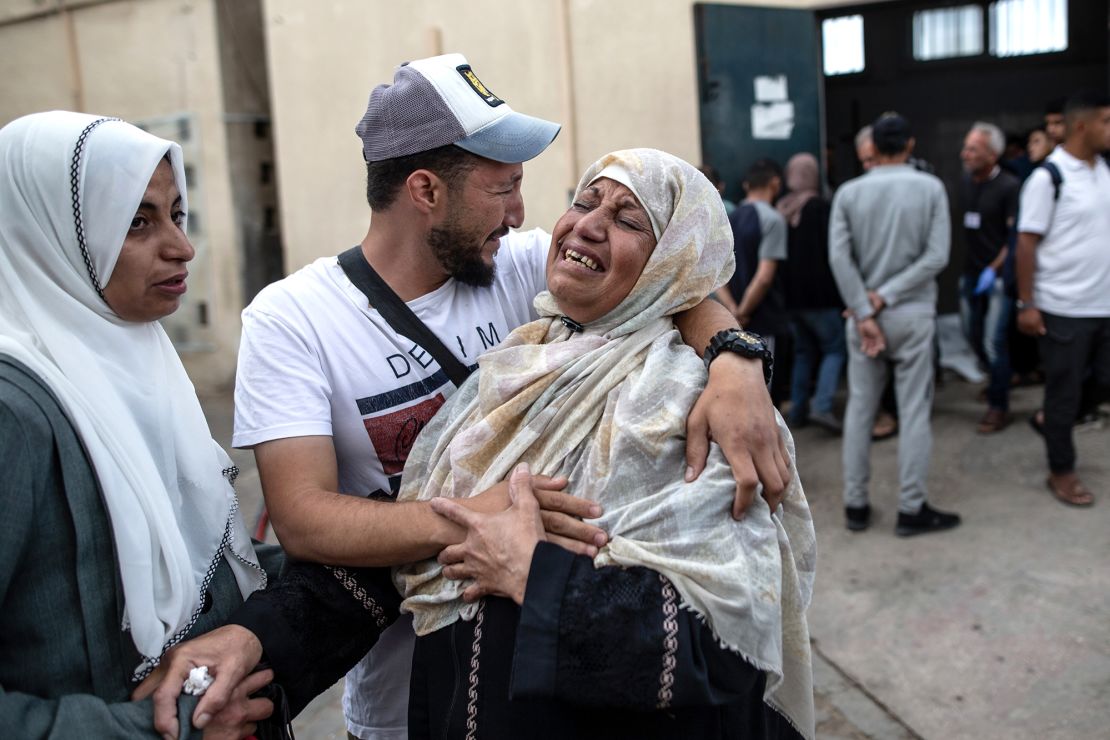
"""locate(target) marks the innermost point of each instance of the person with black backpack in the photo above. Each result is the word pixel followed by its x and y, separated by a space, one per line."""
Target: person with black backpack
pixel 1063 278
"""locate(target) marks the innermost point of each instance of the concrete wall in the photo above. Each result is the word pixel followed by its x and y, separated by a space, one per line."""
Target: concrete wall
pixel 615 73
pixel 319 92
pixel 246 100
pixel 145 61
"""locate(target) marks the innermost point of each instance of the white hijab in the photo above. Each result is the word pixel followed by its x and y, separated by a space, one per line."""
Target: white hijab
pixel 70 184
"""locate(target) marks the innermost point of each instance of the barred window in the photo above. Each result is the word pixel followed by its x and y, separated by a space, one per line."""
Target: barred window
pixel 1028 27
pixel 942 33
pixel 842 42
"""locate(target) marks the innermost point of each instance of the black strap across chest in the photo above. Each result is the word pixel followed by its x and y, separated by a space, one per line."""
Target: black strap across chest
pixel 398 315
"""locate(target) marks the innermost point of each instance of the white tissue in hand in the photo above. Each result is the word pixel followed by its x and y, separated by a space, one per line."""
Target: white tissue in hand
pixel 198 681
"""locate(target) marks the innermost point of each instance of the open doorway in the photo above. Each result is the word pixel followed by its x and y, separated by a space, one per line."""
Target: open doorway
pixel 945 66
pixel 942 64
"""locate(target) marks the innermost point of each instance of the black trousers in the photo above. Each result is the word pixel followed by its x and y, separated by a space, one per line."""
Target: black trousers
pixel 1069 347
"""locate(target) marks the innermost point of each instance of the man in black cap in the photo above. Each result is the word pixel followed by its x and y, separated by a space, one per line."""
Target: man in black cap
pixel 888 240
pixel 331 396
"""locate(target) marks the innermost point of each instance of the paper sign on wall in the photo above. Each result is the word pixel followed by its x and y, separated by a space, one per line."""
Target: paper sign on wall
pixel 773 113
pixel 770 89
pixel 772 120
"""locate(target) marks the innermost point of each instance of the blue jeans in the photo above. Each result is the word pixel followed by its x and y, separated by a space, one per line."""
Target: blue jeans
pixel 818 334
pixel 986 321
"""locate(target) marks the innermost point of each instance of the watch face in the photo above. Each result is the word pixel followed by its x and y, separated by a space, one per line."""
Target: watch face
pixel 748 337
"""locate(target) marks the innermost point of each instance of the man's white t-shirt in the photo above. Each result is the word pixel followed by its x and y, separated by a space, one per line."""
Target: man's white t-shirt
pixel 1073 258
pixel 316 360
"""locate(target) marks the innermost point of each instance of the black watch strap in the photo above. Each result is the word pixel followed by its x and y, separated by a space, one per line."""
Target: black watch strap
pixel 743 343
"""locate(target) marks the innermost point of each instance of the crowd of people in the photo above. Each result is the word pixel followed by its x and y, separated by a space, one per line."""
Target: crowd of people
pixel 562 526
pixel 525 483
pixel 856 280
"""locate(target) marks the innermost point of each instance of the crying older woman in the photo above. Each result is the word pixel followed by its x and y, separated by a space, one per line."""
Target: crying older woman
pixel 688 624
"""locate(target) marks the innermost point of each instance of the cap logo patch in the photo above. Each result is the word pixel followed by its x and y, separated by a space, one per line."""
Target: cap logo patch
pixel 475 84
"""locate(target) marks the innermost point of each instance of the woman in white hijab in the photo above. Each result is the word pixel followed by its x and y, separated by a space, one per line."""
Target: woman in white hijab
pixel 688 624
pixel 121 534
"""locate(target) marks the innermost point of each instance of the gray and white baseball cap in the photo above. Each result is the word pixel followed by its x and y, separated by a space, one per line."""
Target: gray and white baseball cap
pixel 439 101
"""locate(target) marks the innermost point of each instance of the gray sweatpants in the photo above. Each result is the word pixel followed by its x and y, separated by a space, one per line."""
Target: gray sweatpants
pixel 909 348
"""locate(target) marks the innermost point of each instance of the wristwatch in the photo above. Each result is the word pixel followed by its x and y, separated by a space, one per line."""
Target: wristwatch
pixel 743 343
pixel 1022 305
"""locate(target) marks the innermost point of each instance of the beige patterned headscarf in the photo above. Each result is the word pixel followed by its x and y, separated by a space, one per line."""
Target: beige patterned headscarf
pixel 607 407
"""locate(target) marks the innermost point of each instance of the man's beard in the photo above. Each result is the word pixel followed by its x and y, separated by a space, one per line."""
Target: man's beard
pixel 465 264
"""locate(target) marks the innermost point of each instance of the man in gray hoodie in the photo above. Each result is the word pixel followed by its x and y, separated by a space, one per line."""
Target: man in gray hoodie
pixel 888 241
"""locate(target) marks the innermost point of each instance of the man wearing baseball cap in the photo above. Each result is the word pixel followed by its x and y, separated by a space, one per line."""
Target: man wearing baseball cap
pixel 330 396
pixel 440 101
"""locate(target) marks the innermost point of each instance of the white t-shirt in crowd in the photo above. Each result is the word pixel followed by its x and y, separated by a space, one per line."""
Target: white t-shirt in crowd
pixel 316 360
pixel 1073 258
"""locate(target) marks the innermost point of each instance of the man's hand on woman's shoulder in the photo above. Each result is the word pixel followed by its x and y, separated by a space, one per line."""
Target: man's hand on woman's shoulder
pixel 736 412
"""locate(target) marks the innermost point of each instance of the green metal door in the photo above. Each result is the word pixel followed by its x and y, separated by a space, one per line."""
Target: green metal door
pixel 759 79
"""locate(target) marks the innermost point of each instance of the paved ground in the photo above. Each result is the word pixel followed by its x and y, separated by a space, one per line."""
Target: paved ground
pixel 997 629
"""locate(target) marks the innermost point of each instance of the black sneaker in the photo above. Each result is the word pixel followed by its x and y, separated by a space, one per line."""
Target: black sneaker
pixel 924 521
pixel 857 518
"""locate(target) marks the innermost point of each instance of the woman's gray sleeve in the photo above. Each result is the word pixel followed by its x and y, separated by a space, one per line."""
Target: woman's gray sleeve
pixel 27 458
pixel 26 717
